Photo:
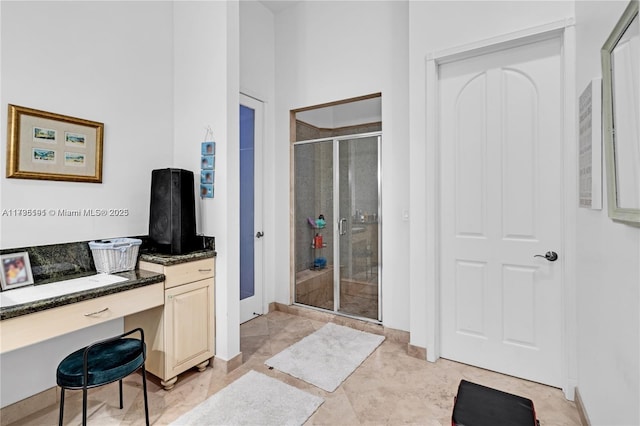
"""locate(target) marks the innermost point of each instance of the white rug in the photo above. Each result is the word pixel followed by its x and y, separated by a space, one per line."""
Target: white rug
pixel 328 356
pixel 253 399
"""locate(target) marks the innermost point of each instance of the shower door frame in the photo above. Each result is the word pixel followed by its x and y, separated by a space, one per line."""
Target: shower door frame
pixel 336 215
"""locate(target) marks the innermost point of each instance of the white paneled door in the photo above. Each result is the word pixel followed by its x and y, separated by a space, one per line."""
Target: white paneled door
pixel 501 137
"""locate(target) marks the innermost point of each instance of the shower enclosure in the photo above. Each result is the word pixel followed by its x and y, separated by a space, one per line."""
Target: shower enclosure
pixel 337 224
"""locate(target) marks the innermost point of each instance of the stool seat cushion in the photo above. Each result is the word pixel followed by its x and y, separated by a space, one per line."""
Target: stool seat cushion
pixel 107 362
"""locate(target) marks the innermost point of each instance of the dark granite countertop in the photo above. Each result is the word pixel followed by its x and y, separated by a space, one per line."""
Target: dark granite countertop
pixel 174 259
pixel 135 279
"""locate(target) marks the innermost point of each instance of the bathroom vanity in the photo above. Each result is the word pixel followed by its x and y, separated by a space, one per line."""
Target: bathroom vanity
pixel 170 296
pixel 180 334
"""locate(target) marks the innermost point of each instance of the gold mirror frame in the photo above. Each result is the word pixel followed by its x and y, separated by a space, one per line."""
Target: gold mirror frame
pixel 616 211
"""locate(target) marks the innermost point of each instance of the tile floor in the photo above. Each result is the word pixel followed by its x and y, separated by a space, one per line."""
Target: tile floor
pixel 389 388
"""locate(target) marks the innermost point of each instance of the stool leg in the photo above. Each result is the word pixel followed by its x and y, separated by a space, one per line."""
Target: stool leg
pixel 120 385
pixel 61 407
pixel 144 387
pixel 84 406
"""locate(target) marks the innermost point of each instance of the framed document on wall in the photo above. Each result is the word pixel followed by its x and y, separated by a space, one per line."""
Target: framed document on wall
pixel 590 146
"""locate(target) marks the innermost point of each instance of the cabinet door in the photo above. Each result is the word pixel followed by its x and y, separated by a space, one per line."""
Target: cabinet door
pixel 189 325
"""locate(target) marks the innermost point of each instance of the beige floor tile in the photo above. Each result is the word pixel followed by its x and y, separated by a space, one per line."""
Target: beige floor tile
pixel 389 388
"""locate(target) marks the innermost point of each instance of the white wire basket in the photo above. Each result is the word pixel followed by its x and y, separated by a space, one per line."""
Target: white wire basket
pixel 115 255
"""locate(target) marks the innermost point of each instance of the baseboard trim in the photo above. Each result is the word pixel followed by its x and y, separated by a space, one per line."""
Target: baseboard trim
pixel 582 411
pixel 227 366
pixel 417 352
pixel 392 334
pixel 21 409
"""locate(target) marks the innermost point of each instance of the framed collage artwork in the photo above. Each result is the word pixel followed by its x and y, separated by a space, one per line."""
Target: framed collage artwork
pixel 49 146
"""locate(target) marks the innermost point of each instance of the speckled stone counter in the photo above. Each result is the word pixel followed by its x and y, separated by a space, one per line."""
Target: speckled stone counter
pixel 135 279
pixel 174 259
pixel 56 262
pixel 65 261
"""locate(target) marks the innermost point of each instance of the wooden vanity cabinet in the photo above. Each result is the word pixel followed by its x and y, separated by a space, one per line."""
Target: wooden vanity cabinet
pixel 181 334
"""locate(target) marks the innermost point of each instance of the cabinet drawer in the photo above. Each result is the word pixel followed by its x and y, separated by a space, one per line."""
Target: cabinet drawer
pixel 32 328
pixel 188 272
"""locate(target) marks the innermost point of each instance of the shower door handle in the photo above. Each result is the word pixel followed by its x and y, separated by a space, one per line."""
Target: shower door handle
pixel 341 227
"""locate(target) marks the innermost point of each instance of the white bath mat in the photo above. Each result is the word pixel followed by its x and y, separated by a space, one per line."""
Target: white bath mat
pixel 328 356
pixel 253 399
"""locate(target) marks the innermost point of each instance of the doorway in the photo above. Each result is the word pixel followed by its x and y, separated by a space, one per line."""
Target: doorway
pixel 251 247
pixel 501 184
pixel 337 224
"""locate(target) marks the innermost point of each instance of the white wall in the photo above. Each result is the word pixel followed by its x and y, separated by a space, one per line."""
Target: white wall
pixel 343 115
pixel 156 84
pixel 206 86
pixel 128 83
pixel 2 128
pixel 68 58
pixel 608 278
pixel 319 58
pixel 328 51
pixel 257 79
pixel 435 26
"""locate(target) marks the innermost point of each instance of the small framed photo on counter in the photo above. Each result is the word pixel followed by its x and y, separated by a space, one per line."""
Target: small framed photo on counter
pixel 16 270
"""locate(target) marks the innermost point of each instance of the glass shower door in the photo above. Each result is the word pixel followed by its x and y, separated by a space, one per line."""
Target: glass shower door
pixel 358 213
pixel 337 205
pixel 314 224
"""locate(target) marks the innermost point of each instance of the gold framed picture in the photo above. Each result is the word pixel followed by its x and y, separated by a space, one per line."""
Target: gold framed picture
pixel 49 146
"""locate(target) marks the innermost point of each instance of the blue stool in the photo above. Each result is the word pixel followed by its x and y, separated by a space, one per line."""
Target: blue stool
pixel 102 363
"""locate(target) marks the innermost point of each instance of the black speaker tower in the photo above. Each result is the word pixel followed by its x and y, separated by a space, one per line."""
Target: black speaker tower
pixel 172 218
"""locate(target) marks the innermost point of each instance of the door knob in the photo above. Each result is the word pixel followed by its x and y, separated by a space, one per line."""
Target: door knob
pixel 551 256
pixel 259 234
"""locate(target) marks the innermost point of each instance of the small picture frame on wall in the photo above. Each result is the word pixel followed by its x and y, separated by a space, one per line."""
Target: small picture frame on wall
pixel 208 162
pixel 206 190
pixel 207 176
pixel 49 146
pixel 209 148
pixel 16 270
